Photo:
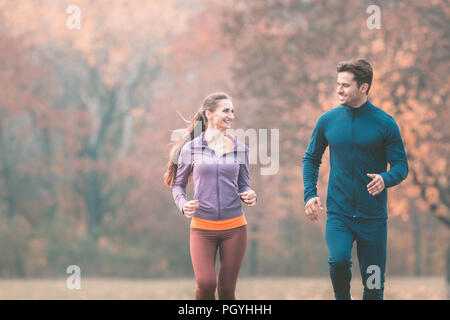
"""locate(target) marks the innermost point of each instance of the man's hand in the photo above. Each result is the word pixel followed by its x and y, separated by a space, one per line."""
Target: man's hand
pixel 376 185
pixel 312 208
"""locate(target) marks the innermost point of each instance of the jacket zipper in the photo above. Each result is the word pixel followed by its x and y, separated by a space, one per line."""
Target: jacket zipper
pixel 218 193
pixel 353 167
pixel 217 178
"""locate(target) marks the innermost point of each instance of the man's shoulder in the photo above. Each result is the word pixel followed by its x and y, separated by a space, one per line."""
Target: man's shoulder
pixel 334 110
pixel 330 114
pixel 381 114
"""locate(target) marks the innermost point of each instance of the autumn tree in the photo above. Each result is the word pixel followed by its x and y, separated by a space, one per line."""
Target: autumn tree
pixel 102 72
pixel 22 184
pixel 286 54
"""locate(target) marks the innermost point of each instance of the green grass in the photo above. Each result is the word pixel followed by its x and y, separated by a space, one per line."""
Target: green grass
pixel 247 288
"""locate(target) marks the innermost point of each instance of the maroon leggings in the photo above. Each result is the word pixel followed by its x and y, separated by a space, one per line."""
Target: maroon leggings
pixel 204 244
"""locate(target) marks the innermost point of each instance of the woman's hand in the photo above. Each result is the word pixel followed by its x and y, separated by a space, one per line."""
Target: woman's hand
pixel 189 208
pixel 249 197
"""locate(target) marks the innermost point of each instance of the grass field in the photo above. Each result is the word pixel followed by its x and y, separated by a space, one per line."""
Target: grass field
pixel 248 288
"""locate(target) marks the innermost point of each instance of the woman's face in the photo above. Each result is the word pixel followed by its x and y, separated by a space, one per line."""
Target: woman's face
pixel 222 117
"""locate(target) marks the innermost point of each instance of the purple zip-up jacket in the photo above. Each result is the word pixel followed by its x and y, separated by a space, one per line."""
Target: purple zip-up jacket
pixel 217 181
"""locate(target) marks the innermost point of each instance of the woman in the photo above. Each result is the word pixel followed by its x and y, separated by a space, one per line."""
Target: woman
pixel 218 164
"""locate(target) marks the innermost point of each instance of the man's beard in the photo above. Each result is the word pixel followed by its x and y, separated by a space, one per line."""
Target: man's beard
pixel 351 101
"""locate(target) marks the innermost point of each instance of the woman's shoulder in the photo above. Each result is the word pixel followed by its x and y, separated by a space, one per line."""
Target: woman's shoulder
pixel 187 147
pixel 240 146
pixel 192 143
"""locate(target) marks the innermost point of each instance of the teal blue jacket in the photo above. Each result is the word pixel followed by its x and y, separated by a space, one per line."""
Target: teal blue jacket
pixel 362 140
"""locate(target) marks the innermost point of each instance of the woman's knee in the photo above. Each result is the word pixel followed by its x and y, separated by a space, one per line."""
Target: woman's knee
pixel 227 293
pixel 207 284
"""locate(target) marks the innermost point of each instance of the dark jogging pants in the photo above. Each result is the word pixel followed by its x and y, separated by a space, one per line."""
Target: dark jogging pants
pixel 371 237
pixel 204 244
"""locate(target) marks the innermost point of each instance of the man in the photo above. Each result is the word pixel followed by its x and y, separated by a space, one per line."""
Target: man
pixel 362 140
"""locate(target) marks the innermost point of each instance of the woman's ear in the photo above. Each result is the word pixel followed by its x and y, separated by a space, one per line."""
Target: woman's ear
pixel 207 114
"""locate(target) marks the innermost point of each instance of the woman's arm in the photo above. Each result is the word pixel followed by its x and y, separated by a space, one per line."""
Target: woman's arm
pixel 184 170
pixel 245 191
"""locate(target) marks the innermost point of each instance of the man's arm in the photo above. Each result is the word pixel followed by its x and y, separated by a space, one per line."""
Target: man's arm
pixel 395 155
pixel 312 160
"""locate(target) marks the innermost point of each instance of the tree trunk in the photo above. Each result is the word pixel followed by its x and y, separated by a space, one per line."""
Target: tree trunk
pixel 253 251
pixel 417 237
pixel 7 174
pixel 253 245
pixel 93 200
pixel 448 272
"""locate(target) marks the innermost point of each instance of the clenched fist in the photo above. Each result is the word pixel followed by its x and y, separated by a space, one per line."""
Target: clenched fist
pixel 376 185
pixel 312 208
pixel 189 208
pixel 249 197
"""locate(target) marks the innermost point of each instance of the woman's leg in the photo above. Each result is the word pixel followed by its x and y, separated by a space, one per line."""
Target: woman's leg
pixel 203 246
pixel 232 250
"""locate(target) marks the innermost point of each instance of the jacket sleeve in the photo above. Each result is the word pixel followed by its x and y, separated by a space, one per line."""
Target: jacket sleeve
pixel 243 177
pixel 395 156
pixel 313 158
pixel 184 170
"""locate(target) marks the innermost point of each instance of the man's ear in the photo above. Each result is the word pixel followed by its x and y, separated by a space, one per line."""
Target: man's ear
pixel 363 88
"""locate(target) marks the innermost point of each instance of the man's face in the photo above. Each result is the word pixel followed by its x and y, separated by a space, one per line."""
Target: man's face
pixel 348 91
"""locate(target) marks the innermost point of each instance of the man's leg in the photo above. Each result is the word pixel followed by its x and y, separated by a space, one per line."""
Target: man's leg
pixel 371 247
pixel 339 239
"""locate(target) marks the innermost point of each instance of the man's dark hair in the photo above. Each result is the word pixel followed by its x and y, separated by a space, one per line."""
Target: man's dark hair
pixel 361 69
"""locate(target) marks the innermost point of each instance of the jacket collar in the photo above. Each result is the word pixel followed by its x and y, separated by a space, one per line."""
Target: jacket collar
pixel 201 141
pixel 362 108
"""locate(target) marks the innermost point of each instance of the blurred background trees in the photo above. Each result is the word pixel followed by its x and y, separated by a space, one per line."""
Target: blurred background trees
pixel 86 118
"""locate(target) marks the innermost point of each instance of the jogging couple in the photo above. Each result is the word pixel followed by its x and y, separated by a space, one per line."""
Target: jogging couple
pixel 362 139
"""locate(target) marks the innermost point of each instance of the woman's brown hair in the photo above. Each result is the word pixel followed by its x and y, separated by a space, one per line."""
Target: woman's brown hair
pixel 196 126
